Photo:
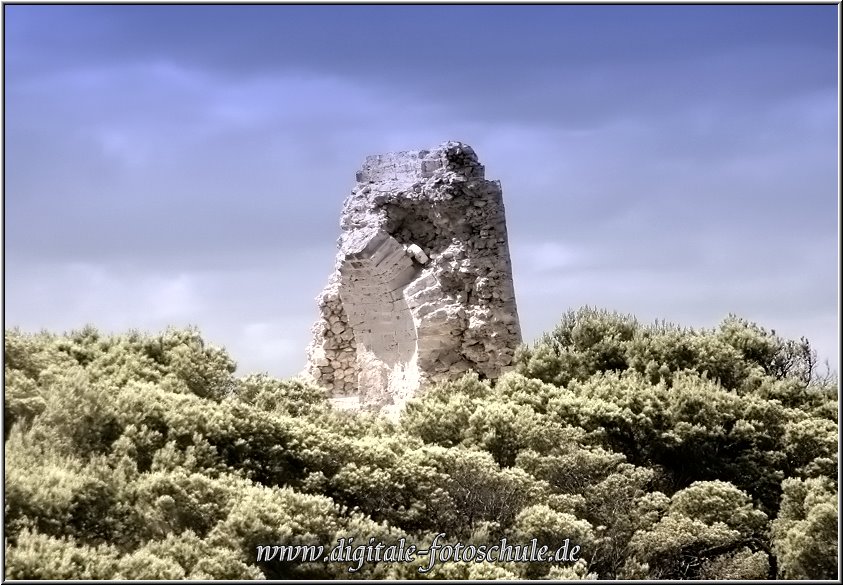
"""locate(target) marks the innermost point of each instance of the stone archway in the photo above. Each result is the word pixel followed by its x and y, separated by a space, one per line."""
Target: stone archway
pixel 372 282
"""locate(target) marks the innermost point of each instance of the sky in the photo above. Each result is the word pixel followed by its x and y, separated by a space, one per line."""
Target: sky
pixel 173 165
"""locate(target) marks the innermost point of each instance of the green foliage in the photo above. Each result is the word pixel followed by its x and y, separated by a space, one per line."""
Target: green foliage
pixel 289 397
pixel 482 493
pixel 739 565
pixel 662 452
pixel 805 533
pixel 22 400
pixel 691 429
pixel 38 556
pixel 264 515
pixel 589 341
pixel 584 342
pixel 719 502
pixel 549 526
pixel 442 417
pixel 811 447
pixel 673 548
pixel 60 495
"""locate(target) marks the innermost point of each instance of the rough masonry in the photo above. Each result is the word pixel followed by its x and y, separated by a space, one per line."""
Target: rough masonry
pixel 422 286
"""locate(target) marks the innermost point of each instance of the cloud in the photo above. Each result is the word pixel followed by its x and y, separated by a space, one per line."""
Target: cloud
pixel 159 162
pixel 547 257
pixel 794 292
pixel 253 314
pixel 262 343
pixel 88 293
pixel 174 164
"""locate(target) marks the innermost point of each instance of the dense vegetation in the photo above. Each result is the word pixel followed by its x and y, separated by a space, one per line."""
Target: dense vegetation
pixel 664 452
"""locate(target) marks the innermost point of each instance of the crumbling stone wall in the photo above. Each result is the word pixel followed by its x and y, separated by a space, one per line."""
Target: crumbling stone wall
pixel 422 287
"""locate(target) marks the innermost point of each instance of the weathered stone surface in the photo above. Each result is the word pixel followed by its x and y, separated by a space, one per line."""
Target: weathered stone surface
pixel 422 287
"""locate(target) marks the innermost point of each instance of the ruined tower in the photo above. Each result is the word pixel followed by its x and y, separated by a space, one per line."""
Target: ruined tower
pixel 422 286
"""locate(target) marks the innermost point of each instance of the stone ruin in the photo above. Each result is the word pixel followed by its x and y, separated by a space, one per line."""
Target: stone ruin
pixel 422 286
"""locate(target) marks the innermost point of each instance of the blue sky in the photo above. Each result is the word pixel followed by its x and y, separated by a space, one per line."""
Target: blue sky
pixel 187 164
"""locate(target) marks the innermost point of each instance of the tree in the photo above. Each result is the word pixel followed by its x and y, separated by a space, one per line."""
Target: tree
pixel 805 532
pixel 664 452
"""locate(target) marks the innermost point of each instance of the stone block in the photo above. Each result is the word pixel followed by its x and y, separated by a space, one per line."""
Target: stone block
pixel 384 312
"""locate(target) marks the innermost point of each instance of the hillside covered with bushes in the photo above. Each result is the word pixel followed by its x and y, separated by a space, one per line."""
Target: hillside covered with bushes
pixel 662 452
